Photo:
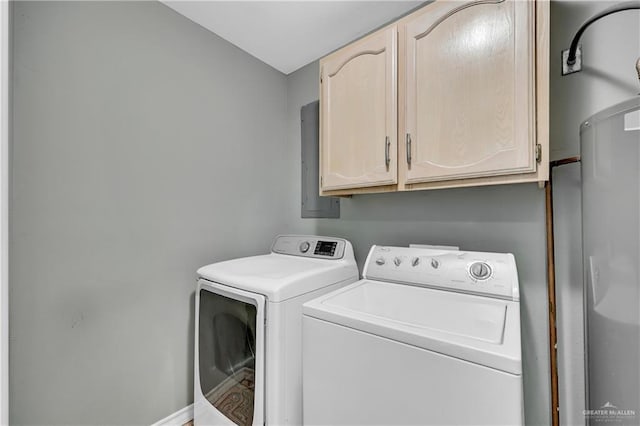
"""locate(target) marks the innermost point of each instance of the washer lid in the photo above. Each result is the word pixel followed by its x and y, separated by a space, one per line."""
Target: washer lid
pixel 280 277
pixel 478 329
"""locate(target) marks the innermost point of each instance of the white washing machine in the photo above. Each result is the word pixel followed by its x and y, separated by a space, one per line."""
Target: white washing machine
pixel 428 337
pixel 248 329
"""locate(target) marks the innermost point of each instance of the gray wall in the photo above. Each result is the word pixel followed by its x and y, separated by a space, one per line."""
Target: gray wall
pixel 610 48
pixel 500 218
pixel 143 147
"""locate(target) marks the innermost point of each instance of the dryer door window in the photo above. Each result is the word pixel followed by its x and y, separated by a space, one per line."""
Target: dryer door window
pixel 228 348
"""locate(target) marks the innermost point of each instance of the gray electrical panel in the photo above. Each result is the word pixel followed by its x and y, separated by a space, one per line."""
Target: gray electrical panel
pixel 313 205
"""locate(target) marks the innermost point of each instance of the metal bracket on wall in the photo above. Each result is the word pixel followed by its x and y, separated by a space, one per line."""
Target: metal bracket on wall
pixel 577 64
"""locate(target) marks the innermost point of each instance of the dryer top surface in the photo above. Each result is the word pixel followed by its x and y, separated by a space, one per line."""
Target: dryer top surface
pixel 279 277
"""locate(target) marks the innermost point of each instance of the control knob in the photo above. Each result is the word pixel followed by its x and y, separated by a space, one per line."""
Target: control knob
pixel 304 246
pixel 380 261
pixel 397 261
pixel 480 270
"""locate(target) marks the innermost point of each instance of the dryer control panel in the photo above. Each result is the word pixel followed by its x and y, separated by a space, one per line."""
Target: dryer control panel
pixel 309 246
pixel 486 274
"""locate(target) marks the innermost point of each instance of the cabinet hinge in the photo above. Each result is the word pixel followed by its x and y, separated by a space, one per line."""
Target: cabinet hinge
pixel 538 153
pixel 320 180
pixel 321 71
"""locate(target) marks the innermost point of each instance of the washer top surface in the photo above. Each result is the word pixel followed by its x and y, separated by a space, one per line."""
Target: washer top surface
pixel 434 308
pixel 474 328
pixel 428 309
pixel 300 265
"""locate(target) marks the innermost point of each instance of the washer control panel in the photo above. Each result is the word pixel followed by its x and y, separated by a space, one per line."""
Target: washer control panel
pixel 309 246
pixel 490 274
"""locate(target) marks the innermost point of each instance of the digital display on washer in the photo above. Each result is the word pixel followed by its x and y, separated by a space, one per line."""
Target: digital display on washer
pixel 325 248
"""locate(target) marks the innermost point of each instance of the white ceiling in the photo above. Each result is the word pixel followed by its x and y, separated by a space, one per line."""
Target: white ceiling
pixel 289 34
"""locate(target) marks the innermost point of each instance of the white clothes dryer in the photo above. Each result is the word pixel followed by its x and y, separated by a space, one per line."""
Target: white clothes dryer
pixel 249 324
pixel 428 337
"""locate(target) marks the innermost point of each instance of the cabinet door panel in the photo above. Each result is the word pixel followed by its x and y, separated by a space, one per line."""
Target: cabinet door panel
pixel 469 90
pixel 358 114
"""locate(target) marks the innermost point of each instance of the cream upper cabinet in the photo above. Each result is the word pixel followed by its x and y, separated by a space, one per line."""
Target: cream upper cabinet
pixel 469 90
pixel 471 105
pixel 358 109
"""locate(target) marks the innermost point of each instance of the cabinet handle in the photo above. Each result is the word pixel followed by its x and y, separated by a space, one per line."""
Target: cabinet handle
pixel 408 148
pixel 387 146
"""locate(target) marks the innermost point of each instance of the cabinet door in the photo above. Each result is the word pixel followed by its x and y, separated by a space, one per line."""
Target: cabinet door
pixel 469 90
pixel 358 100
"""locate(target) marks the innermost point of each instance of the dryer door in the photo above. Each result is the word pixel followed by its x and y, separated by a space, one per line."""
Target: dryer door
pixel 230 353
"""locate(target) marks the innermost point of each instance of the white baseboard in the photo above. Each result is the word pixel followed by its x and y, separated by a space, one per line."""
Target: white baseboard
pixel 178 418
